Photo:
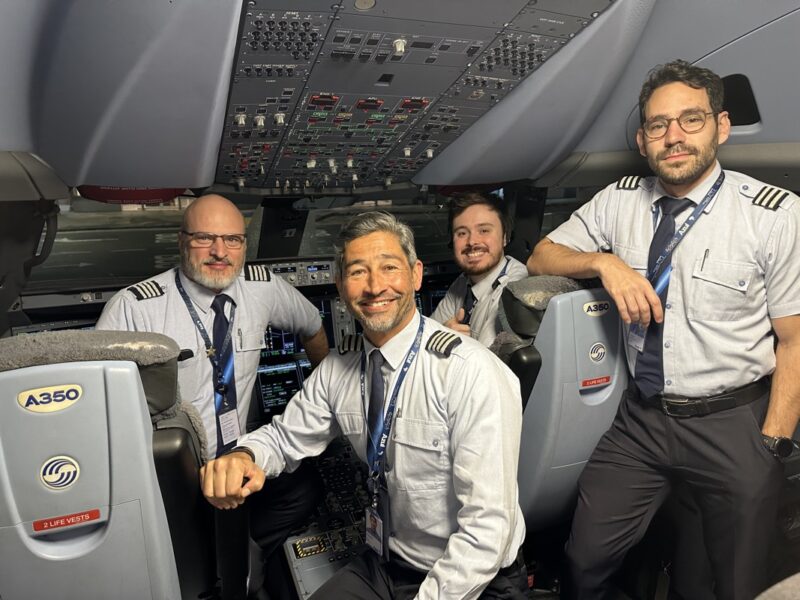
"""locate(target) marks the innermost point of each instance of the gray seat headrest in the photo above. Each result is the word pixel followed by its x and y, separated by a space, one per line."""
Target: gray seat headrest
pixel 154 353
pixel 525 300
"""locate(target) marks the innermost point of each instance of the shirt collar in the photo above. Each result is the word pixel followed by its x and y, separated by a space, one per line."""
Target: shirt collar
pixel 395 350
pixel 697 194
pixel 485 285
pixel 202 297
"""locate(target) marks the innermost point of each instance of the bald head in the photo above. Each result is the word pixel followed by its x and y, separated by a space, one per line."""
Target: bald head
pixel 216 266
pixel 214 214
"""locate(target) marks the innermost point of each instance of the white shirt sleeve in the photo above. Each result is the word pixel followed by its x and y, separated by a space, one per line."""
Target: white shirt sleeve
pixel 289 310
pixel 304 429
pixel 449 305
pixel 121 314
pixel 783 258
pixel 587 230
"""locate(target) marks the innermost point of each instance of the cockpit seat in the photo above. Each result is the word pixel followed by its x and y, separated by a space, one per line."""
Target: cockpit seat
pixel 81 513
pixel 564 343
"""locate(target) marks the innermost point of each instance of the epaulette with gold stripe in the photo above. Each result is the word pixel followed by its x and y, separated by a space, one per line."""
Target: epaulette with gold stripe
pixel 770 197
pixel 631 182
pixel 351 343
pixel 442 343
pixel 256 272
pixel 146 290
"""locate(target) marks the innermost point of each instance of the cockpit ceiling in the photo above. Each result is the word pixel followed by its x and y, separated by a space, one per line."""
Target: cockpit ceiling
pixel 366 93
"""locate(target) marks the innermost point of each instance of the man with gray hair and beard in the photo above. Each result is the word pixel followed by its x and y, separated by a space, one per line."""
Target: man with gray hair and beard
pixel 220 313
pixel 435 416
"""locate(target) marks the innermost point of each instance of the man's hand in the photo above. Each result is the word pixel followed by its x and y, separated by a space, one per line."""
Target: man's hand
pixel 635 298
pixel 455 323
pixel 231 478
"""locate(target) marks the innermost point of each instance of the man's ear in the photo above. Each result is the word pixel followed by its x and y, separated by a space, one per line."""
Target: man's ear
pixel 640 142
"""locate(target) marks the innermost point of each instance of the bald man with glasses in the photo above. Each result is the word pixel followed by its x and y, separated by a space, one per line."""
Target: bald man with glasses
pixel 219 308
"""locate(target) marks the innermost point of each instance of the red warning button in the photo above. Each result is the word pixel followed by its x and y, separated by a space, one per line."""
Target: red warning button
pixel 66 520
pixel 595 381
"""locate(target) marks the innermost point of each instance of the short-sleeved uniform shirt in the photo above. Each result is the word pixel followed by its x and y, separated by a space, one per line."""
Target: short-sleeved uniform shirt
pixel 161 309
pixel 483 323
pixel 736 269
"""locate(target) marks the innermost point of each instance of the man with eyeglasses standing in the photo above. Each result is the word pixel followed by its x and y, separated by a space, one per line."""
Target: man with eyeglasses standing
pixel 702 264
pixel 220 310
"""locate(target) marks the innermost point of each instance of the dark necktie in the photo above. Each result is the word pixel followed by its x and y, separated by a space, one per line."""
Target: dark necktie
pixel 469 304
pixel 224 380
pixel 376 399
pixel 650 363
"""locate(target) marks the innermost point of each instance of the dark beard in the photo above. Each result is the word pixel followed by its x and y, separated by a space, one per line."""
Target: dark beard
pixel 702 160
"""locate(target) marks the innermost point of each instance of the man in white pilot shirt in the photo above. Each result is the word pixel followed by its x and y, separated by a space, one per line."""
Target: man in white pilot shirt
pixel 480 228
pixel 450 522
pixel 212 246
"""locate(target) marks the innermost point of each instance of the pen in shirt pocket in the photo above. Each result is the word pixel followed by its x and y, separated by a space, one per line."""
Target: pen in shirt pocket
pixel 705 256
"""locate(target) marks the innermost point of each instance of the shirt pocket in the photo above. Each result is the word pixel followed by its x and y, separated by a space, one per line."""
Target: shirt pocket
pixel 420 455
pixel 250 339
pixel 719 290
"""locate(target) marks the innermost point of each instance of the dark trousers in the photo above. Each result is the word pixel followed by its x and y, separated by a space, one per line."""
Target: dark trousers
pixel 734 479
pixel 283 504
pixel 367 577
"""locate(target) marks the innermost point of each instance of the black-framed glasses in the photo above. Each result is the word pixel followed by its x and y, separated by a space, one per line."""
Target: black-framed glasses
pixel 203 239
pixel 691 122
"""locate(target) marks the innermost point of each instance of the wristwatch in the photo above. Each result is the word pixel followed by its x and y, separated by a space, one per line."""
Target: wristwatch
pixel 779 446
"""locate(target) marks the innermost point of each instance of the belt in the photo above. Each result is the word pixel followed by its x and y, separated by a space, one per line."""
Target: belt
pixel 698 407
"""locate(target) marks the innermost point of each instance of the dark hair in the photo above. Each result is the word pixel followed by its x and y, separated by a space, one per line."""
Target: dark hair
pixel 461 202
pixel 370 222
pixel 683 72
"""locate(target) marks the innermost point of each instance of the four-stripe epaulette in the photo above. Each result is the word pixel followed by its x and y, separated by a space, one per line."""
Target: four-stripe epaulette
pixel 770 197
pixel 631 182
pixel 256 272
pixel 351 343
pixel 146 290
pixel 443 343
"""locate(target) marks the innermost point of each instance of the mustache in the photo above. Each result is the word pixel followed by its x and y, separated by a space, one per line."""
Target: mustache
pixel 214 261
pixel 677 149
pixel 474 247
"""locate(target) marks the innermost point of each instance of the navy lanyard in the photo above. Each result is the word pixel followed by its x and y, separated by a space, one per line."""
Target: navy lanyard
pixel 376 468
pixel 660 284
pixel 219 377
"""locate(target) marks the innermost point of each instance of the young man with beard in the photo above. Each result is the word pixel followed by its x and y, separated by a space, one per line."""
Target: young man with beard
pixel 437 417
pixel 702 264
pixel 480 228
pixel 200 305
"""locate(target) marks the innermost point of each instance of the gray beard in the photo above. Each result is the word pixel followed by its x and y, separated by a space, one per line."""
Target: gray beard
pixel 212 282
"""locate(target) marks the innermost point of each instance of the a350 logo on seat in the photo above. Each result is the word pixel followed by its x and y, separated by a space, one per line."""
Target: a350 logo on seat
pixel 50 399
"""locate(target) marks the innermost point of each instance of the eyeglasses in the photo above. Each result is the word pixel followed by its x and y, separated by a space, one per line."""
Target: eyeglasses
pixel 690 122
pixel 201 239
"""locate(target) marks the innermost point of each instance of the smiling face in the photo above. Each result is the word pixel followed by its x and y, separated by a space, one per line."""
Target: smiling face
pixel 217 266
pixel 680 159
pixel 378 284
pixel 478 240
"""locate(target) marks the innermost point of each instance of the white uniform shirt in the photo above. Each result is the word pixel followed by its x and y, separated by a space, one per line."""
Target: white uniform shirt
pixel 451 461
pixel 483 323
pixel 737 268
pixel 258 303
